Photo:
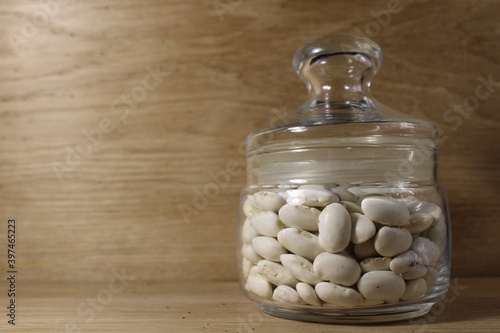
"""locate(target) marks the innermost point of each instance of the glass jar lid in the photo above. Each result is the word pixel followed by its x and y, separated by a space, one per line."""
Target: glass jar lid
pixel 341 132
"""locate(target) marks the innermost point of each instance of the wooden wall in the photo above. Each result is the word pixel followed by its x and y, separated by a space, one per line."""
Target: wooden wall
pixel 113 201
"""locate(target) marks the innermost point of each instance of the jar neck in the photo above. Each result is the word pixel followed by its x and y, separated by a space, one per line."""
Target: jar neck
pixel 347 162
pixel 337 76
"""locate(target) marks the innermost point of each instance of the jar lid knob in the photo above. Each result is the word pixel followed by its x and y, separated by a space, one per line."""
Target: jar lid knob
pixel 337 44
pixel 337 70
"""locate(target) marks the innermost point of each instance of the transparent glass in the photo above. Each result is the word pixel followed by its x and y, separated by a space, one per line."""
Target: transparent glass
pixel 343 219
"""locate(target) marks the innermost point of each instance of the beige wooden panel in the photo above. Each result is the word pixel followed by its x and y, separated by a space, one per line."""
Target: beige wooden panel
pixel 225 65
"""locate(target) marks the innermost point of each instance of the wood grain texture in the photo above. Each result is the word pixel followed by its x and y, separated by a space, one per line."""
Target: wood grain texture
pixel 221 307
pixel 223 74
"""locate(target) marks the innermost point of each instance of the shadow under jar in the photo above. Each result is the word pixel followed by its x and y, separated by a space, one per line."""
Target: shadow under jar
pixel 343 219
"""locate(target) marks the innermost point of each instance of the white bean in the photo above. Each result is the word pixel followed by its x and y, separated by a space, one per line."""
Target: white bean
pixel 362 228
pixel 334 228
pixel 409 201
pixel 297 239
pixel 431 278
pixel 426 207
pixel 250 207
pixel 415 272
pixel 403 262
pixel 385 210
pixel 269 200
pixel 381 285
pixel 307 293
pixel 286 294
pixel 414 289
pixel 311 195
pixel 437 234
pixel 300 268
pixel 352 207
pixel 267 223
pixel 258 285
pixel 302 217
pixel 338 295
pixel 366 249
pixel 391 241
pixel 419 222
pixel 249 253
pixel 268 248
pixel 357 190
pixel 337 268
pixel 254 270
pixel 362 196
pixel 246 266
pixel 344 194
pixel 300 242
pixel 375 264
pixel 276 273
pixel 248 232
pixel 427 251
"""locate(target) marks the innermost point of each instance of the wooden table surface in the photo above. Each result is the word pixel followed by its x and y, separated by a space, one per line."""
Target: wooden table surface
pixel 221 307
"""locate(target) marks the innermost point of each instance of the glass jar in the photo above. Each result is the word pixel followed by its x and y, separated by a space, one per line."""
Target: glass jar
pixel 343 218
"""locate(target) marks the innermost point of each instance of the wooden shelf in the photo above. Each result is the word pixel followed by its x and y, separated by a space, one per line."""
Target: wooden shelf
pixel 218 307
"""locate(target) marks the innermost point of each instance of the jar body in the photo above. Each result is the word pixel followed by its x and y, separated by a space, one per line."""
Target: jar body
pixel 343 218
pixel 339 252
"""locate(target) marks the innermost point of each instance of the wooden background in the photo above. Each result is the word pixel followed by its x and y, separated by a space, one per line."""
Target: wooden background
pixel 226 65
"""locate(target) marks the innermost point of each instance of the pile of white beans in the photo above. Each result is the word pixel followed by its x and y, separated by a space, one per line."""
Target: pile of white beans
pixel 328 246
